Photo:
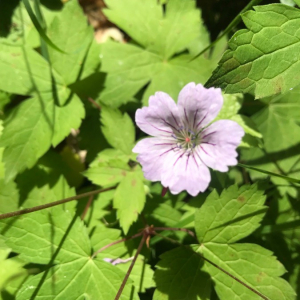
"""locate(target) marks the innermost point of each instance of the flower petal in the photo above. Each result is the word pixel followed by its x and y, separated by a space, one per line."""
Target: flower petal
pixel 152 153
pixel 185 172
pixel 160 118
pixel 218 147
pixel 199 106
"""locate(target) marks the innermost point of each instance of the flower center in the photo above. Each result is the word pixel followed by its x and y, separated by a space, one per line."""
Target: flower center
pixel 186 139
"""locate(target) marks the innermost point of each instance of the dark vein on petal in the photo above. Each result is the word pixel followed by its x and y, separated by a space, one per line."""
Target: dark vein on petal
pixel 204 151
pixel 175 119
pixel 160 129
pixel 203 137
pixel 195 118
pixel 167 151
pixel 202 120
pixel 187 162
pixel 178 159
pixel 195 160
pixel 187 120
pixel 208 143
pixel 170 124
pixel 164 144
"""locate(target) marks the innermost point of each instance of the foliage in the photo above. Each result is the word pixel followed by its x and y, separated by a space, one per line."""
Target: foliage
pixel 67 107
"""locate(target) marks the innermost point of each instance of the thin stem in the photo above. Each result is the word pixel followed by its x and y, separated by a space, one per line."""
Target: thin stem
pixel 235 278
pixel 87 207
pixel 94 102
pixel 168 239
pixel 117 242
pixel 44 206
pixel 131 266
pixel 270 173
pixel 233 23
pixel 191 233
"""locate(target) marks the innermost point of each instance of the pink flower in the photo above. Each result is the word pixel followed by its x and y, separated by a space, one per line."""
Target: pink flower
pixel 184 143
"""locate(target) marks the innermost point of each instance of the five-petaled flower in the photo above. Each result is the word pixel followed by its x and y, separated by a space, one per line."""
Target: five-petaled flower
pixel 184 143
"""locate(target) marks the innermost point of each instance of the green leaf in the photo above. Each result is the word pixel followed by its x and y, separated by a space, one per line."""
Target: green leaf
pixel 251 63
pixel 38 26
pixel 73 262
pixel 231 216
pixel 277 120
pixel 129 199
pixel 179 276
pixel 109 168
pixel 11 268
pixel 22 31
pixel 20 77
pixel 130 68
pixel 40 235
pixel 33 126
pixel 250 263
pixel 74 37
pixel 229 111
pixel 118 129
pixel 141 275
pixel 178 26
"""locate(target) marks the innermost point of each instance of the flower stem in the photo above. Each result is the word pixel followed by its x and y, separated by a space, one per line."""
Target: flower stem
pixel 116 242
pixel 131 266
pixel 295 180
pixel 51 204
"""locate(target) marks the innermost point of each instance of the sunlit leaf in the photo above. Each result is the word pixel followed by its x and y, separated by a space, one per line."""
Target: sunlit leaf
pixel 251 63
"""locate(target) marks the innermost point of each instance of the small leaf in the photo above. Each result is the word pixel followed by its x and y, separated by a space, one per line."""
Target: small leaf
pixel 118 129
pixel 231 216
pixel 251 63
pixel 179 276
pixel 129 199
pixel 109 168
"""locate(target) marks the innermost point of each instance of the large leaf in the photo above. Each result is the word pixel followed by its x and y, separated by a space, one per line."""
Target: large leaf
pixel 251 63
pixel 33 126
pixel 131 67
pixel 179 276
pixel 231 216
pixel 24 71
pixel 57 236
pixel 70 32
pixel 178 26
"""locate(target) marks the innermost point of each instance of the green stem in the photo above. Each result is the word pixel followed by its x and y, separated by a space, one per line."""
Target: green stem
pixel 38 26
pixel 270 173
pixel 51 204
pixel 232 24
